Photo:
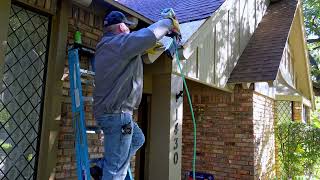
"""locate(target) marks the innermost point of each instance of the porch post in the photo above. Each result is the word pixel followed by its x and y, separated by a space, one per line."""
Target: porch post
pixel 52 100
pixel 166 128
pixel 5 6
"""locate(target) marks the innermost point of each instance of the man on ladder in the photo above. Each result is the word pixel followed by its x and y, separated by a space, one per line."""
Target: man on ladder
pixel 118 87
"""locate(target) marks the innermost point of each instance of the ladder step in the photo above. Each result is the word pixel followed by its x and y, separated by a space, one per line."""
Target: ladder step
pixel 87 73
pixel 85 50
pixel 84 98
pixel 94 130
pixel 87 98
pixel 87 81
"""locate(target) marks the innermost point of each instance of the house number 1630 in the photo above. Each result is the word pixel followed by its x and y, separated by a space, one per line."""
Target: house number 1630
pixel 176 144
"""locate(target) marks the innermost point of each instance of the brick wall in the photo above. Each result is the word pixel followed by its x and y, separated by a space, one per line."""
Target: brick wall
pixel 264 138
pixel 225 133
pixel 297 111
pixel 229 133
pixel 90 25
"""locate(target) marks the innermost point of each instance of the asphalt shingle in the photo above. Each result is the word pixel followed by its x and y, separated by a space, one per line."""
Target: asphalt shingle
pixel 186 10
pixel 261 59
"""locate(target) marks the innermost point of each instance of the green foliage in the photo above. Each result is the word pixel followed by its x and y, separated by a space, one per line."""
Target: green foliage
pixel 311 10
pixel 5 146
pixel 299 149
pixel 289 138
pixel 315 115
pixel 4 117
pixel 29 157
pixel 311 149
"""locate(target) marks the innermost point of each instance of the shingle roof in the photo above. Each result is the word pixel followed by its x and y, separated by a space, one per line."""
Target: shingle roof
pixel 261 59
pixel 186 10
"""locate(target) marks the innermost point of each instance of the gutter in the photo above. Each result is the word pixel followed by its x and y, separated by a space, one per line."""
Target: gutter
pixel 188 30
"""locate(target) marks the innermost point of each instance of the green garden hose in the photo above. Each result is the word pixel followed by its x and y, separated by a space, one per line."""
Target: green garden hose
pixel 192 113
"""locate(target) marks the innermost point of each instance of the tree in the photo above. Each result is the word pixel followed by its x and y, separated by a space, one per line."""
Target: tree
pixel 298 149
pixel 311 10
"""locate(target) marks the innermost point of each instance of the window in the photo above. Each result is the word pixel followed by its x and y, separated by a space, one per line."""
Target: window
pixel 284 110
pixel 22 92
pixel 304 114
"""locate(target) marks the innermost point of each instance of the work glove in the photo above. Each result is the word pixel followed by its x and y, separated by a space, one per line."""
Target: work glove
pixel 155 48
pixel 175 31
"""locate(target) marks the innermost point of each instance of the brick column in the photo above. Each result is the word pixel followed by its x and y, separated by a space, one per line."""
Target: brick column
pixel 264 138
pixel 297 111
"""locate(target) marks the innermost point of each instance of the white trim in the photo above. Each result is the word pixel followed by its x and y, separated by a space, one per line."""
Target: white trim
pixel 225 89
pixel 295 98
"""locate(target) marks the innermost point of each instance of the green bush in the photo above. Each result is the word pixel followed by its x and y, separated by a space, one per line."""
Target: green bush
pixel 299 149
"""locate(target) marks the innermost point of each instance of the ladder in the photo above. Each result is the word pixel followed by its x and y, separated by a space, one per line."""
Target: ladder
pixel 78 115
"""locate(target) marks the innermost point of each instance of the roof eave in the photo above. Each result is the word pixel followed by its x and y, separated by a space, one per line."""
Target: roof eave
pixel 129 11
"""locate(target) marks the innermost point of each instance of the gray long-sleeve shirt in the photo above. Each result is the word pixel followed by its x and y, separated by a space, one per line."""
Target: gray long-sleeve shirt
pixel 119 68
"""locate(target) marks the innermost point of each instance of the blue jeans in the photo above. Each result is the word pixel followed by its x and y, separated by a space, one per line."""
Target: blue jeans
pixel 119 146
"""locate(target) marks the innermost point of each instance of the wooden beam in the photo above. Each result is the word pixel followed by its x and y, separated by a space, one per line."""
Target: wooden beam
pixel 272 83
pixel 295 98
pixel 231 86
pixel 39 9
pixel 246 85
pixel 5 6
pixel 166 128
pixel 52 99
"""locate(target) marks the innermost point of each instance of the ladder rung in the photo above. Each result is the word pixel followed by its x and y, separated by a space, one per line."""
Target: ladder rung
pixel 84 98
pixel 87 98
pixel 87 73
pixel 96 160
pixel 84 49
pixel 94 130
pixel 86 82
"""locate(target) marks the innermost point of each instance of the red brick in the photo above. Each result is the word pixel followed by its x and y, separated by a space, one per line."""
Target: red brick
pixel 229 144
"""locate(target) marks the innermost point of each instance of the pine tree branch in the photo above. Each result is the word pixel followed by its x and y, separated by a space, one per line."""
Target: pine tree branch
pixel 316 48
pixel 313 40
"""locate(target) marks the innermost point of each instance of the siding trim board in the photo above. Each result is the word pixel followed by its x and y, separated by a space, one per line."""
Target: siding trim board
pixel 230 26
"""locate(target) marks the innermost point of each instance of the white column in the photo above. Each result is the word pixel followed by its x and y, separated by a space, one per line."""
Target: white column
pixel 166 128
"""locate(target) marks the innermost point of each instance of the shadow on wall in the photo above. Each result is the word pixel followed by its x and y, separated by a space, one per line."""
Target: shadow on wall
pixel 264 138
pixel 219 45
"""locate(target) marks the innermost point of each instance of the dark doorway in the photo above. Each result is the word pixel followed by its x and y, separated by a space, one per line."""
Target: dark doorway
pixel 142 156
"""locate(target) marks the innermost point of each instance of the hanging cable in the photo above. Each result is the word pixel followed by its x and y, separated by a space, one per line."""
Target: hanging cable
pixel 192 113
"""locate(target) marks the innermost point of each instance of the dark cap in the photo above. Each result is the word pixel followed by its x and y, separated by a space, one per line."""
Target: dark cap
pixel 115 17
